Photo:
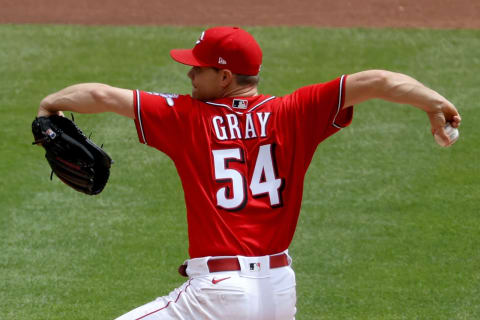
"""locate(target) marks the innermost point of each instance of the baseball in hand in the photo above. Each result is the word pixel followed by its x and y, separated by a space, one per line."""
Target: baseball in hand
pixel 451 132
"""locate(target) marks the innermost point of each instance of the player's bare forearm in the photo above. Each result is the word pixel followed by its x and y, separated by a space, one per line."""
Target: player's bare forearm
pixel 403 89
pixel 394 87
pixel 88 98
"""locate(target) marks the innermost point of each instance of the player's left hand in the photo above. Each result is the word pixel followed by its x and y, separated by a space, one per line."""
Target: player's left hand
pixel 42 112
pixel 74 158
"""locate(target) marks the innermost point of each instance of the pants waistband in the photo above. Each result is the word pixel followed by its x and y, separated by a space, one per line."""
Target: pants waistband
pixel 250 265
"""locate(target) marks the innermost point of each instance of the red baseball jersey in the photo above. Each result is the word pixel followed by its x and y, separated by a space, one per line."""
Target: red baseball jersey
pixel 242 161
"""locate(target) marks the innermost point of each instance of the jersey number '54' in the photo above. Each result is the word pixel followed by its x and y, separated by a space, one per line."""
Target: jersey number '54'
pixel 264 180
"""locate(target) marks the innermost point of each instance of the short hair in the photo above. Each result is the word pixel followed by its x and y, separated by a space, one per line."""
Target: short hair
pixel 243 79
pixel 246 80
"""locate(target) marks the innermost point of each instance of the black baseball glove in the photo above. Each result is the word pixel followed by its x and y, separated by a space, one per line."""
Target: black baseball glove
pixel 73 157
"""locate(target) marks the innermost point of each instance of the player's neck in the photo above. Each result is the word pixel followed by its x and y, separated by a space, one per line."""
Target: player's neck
pixel 241 91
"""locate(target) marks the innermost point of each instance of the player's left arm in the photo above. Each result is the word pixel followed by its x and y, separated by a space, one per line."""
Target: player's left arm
pixel 88 98
pixel 400 88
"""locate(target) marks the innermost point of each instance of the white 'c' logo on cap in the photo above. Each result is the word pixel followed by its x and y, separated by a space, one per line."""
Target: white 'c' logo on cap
pixel 201 38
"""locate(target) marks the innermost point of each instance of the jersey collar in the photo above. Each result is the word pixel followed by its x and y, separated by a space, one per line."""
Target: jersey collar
pixel 235 104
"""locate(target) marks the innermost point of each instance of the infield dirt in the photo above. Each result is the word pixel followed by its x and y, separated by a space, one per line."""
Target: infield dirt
pixel 449 14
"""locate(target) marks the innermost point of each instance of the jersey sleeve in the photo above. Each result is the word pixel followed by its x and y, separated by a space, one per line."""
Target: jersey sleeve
pixel 319 107
pixel 159 120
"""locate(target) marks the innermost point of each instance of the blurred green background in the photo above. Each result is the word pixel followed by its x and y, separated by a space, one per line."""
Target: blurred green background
pixel 389 227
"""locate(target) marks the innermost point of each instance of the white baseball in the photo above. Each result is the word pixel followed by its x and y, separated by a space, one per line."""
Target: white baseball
pixel 451 132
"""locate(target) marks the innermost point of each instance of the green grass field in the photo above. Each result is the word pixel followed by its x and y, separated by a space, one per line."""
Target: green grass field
pixel 389 228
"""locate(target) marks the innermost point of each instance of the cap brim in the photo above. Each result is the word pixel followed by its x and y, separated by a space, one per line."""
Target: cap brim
pixel 185 56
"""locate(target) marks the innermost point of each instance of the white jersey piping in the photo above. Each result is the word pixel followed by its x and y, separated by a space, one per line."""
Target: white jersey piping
pixel 340 95
pixel 259 104
pixel 139 117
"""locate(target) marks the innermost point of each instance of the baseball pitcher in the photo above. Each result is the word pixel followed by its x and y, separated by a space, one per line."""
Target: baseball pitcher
pixel 242 158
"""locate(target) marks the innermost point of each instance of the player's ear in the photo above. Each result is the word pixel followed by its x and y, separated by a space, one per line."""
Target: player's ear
pixel 226 77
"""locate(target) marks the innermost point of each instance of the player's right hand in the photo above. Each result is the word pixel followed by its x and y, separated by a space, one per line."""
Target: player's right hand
pixel 438 119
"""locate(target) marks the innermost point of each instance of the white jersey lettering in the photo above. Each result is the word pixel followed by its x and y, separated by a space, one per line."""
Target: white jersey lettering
pixel 219 129
pixel 263 118
pixel 249 127
pixel 231 126
pixel 232 197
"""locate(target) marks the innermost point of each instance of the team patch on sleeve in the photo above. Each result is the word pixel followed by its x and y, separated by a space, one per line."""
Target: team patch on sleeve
pixel 169 97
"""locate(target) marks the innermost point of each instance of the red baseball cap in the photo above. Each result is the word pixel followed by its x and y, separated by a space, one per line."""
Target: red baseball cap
pixel 229 48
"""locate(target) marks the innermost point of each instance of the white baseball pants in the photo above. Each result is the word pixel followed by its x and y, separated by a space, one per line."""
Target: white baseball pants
pixel 256 292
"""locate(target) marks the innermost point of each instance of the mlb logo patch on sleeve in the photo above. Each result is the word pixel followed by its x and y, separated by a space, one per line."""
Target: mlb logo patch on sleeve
pixel 239 104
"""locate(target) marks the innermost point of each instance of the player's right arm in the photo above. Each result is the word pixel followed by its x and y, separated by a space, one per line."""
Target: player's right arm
pixel 89 98
pixel 403 89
